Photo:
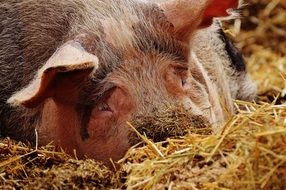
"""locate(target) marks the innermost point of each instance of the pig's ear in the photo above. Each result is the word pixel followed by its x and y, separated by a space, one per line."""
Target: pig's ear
pixel 64 71
pixel 188 15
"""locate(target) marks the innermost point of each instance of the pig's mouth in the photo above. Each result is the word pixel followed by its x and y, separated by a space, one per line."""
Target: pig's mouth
pixel 171 123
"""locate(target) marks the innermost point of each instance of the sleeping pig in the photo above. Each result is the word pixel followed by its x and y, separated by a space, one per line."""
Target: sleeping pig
pixel 78 70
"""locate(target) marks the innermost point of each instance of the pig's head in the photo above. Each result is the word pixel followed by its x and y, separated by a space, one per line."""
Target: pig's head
pixel 133 62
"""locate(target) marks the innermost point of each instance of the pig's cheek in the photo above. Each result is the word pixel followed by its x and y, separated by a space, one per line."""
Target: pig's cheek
pixel 195 95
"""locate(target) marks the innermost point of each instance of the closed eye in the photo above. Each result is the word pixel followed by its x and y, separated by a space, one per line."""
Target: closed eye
pixel 104 107
pixel 182 73
pixel 184 82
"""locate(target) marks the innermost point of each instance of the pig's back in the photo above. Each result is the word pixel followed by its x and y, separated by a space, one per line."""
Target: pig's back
pixel 30 32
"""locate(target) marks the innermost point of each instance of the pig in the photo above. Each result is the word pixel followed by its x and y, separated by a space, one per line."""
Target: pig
pixel 77 70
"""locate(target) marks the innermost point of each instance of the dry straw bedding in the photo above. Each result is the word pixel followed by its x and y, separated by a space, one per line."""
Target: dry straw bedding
pixel 249 152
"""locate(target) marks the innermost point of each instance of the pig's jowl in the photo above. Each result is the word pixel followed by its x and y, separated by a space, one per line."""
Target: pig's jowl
pixel 78 70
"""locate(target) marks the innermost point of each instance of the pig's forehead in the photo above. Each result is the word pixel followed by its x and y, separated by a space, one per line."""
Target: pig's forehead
pixel 159 41
pixel 145 37
pixel 129 31
pixel 141 27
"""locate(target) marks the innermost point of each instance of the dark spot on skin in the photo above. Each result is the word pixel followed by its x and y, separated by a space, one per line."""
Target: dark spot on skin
pixel 86 113
pixel 235 56
pixel 91 96
pixel 84 109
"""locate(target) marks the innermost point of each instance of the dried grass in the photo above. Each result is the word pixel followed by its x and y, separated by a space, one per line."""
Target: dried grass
pixel 25 168
pixel 262 37
pixel 247 153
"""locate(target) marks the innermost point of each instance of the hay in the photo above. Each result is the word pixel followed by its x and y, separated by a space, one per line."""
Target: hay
pixel 261 35
pixel 247 153
pixel 25 168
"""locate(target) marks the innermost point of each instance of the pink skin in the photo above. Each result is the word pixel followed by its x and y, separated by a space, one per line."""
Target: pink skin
pixel 107 128
pixel 163 79
pixel 108 133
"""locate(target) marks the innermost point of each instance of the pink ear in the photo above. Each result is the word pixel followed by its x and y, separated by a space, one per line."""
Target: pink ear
pixel 188 15
pixel 69 65
pixel 218 8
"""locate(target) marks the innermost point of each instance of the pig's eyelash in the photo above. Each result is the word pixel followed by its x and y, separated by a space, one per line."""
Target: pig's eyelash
pixel 103 107
pixel 184 82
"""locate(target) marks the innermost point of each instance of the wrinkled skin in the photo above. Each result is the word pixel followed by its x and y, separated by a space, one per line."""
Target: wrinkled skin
pixel 77 71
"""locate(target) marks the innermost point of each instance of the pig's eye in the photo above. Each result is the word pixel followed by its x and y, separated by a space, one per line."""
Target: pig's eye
pixel 182 73
pixel 184 82
pixel 103 107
